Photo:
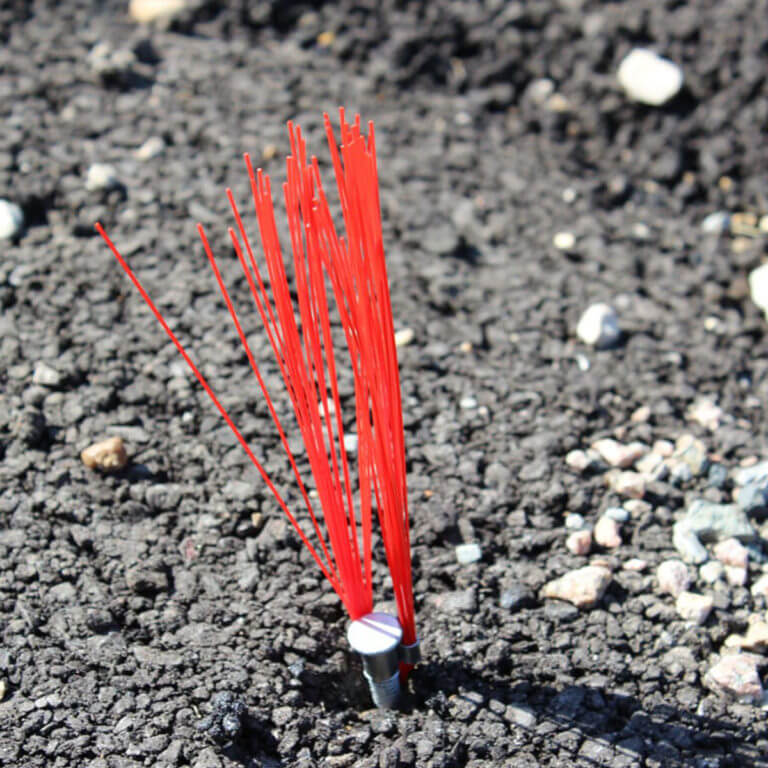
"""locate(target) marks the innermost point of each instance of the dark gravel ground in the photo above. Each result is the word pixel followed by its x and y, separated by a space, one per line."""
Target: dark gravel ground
pixel 135 607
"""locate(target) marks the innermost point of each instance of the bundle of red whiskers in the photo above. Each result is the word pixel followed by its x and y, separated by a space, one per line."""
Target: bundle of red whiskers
pixel 352 270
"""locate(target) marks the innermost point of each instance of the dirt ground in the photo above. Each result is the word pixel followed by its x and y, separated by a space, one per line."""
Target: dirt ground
pixel 138 607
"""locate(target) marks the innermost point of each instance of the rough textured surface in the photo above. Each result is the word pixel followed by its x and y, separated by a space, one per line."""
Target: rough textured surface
pixel 128 602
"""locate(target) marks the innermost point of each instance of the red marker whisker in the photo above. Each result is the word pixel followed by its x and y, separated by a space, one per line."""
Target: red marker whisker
pixel 352 269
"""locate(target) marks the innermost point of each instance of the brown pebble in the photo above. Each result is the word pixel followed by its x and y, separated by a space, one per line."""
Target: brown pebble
pixel 108 455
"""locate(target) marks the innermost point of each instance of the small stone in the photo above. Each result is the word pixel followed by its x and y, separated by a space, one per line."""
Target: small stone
pixel 109 61
pixel 583 587
pixel 738 676
pixel 515 597
pixel 108 455
pixel 762 225
pixel 756 638
pixel 649 464
pixel 149 11
pixel 456 602
pixel 579 543
pixel 716 223
pixel 46 376
pixel 163 496
pixel 717 522
pixel 631 484
pixel 3 689
pixel 760 587
pixel 520 716
pixel 617 454
pixel 717 476
pixel 664 448
pixel 736 577
pixel 599 326
pixel 693 453
pixel 350 443
pixel 564 241
pixel 582 361
pixel 637 507
pixel 648 78
pixel 687 543
pixel 581 461
pixel 732 552
pixel 101 176
pixel 468 553
pixel 706 413
pixel 695 608
pixel 540 90
pixel 753 496
pixel 748 475
pixel 711 572
pixel 619 514
pixel 608 532
pixel 679 472
pixel 468 403
pixel 635 564
pixel 153 147
pixel 144 580
pixel 404 337
pixel 673 577
pixel 641 416
pixel 758 286
pixel 574 521
pixel 11 220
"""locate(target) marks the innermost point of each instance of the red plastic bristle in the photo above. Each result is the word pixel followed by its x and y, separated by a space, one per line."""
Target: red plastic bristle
pixel 300 335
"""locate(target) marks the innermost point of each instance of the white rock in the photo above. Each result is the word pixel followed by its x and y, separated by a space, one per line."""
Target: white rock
pixel 608 533
pixel 695 608
pixel 46 376
pixel 649 464
pixel 574 521
pixel 629 484
pixel 580 461
pixel 664 448
pixel 617 454
pixel 583 587
pixel 712 571
pixel 648 78
pixel 150 149
pixel 758 286
pixel 673 577
pixel 716 223
pixel 641 415
pixel 404 337
pixel 101 176
pixel 755 639
pixel 350 443
pixel 760 587
pixel 738 676
pixel 11 220
pixel 148 11
pixel 736 577
pixel 468 403
pixel 468 553
pixel 619 514
pixel 579 542
pixel 635 564
pixel 564 241
pixel 599 326
pixel 706 413
pixel 732 552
